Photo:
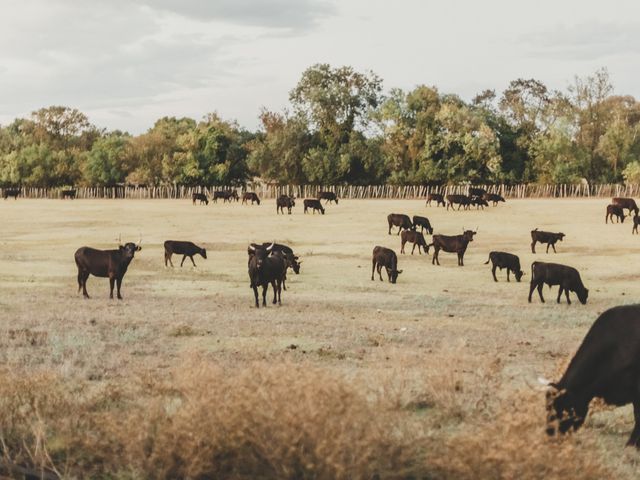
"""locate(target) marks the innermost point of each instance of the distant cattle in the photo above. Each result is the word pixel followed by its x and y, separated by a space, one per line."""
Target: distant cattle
pixel 202 197
pixel 186 249
pixel 328 196
pixel 387 258
pixel 505 260
pixel 636 222
pixel 493 197
pixel 423 223
pixel 403 222
pixel 477 192
pixel 479 202
pixel 225 195
pixel 452 244
pixel 606 367
pixel 285 201
pixel 460 200
pixel 416 238
pixel 614 211
pixel 626 203
pixel 104 263
pixel 11 192
pixel 437 197
pixel 313 204
pixel 552 274
pixel 265 270
pixel 70 193
pixel 246 196
pixel 545 237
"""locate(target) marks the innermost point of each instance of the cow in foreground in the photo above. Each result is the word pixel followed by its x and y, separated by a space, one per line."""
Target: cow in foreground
pixel 423 223
pixel 505 260
pixel 452 244
pixel 202 197
pixel 545 237
pixel 626 203
pixel 111 264
pixel 328 196
pixel 387 258
pixel 292 260
pixel 614 211
pixel 250 196
pixel 606 367
pixel 460 200
pixel 493 197
pixel 11 192
pixel 186 249
pixel 552 274
pixel 437 197
pixel 285 201
pixel 313 204
pixel 400 220
pixel 265 269
pixel 416 238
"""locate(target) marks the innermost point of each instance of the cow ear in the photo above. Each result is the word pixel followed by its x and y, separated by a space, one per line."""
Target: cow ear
pixel 399 272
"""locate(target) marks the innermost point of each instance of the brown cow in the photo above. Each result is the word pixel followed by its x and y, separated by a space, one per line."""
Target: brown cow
pixel 452 244
pixel 437 197
pixel 416 238
pixel 628 203
pixel 614 211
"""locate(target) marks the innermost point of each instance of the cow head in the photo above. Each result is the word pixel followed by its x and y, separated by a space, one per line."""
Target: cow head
pixel 336 200
pixel 293 202
pixel 518 274
pixel 564 411
pixel 295 264
pixel 260 253
pixel 203 252
pixel 468 234
pixel 583 294
pixel 561 236
pixel 129 249
pixel 322 209
pixel 393 275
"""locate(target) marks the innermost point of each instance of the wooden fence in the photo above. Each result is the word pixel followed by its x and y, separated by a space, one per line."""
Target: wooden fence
pixel 267 191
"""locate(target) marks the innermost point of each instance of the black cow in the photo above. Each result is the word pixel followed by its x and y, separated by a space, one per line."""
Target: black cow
pixel 555 274
pixel 292 260
pixel 416 238
pixel 186 249
pixel 628 203
pixel 545 237
pixel 11 192
pixel 423 223
pixel 477 192
pixel 605 366
pixel 313 204
pixel 438 197
pixel 479 202
pixel 403 222
pixel 493 197
pixel 387 258
pixel 452 244
pixel 246 196
pixel 285 201
pixel 636 222
pixel 461 200
pixel 225 195
pixel 200 196
pixel 505 260
pixel 614 211
pixel 104 263
pixel 70 193
pixel 265 269
pixel 328 196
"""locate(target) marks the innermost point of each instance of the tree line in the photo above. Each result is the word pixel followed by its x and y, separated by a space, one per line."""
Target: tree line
pixel 342 128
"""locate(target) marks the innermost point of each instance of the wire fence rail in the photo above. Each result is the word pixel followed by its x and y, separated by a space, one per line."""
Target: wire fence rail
pixel 268 191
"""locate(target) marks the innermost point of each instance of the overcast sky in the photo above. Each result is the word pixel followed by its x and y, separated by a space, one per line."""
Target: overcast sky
pixel 128 62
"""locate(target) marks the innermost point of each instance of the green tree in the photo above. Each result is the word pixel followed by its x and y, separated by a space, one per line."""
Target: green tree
pixel 105 164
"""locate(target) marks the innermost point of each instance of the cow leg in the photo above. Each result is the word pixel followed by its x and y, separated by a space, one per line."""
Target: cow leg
pixel 533 247
pixel 548 245
pixel 255 293
pixel 508 275
pixel 540 292
pixel 461 259
pixel 435 257
pixel 566 292
pixel 112 282
pixel 634 439
pixel 493 272
pixel 532 287
pixel 184 257
pixel 380 272
pixel 191 257
pixel 85 276
pixel 275 291
pixel 402 246
pixel 399 230
pixel 373 268
pixel 560 289
pixel 553 245
pixel 414 248
pixel 265 286
pixel 119 284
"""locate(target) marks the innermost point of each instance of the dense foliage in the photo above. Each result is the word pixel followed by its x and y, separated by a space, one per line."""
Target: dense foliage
pixel 342 128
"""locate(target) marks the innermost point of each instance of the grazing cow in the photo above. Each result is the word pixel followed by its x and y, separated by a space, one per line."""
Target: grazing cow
pixel 328 196
pixel 265 269
pixel 477 192
pixel 605 366
pixel 461 200
pixel 285 201
pixel 246 196
pixel 416 238
pixel 11 192
pixel 479 202
pixel 493 197
pixel 387 258
pixel 628 203
pixel 545 237
pixel 104 263
pixel 200 196
pixel 636 222
pixel 186 249
pixel 403 222
pixel 438 197
pixel 313 204
pixel 555 274
pixel 452 244
pixel 505 260
pixel 70 193
pixel 423 223
pixel 614 210
pixel 225 195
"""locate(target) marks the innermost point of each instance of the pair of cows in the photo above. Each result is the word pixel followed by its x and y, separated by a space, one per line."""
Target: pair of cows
pixel 268 265
pixel 225 195
pixel 616 209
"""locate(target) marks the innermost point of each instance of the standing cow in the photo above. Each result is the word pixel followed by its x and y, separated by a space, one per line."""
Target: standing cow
pixel 614 211
pixel 201 197
pixel 493 197
pixel 403 222
pixel 460 200
pixel 413 237
pixel 285 201
pixel 552 274
pixel 265 269
pixel 250 196
pixel 505 260
pixel 328 196
pixel 387 258
pixel 437 197
pixel 11 192
pixel 313 204
pixel 626 203
pixel 549 238
pixel 423 223
pixel 186 249
pixel 452 244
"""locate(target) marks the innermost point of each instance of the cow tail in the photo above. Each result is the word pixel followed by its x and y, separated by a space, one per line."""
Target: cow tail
pixel 487 262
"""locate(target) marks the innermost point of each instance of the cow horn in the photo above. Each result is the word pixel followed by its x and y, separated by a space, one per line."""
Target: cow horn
pixel 252 248
pixel 139 240
pixel 271 246
pixel 544 381
pixel 477 228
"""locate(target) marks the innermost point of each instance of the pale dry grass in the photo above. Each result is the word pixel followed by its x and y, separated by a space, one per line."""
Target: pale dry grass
pixel 445 357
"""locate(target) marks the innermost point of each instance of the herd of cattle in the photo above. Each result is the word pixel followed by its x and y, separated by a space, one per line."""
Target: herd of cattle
pixel 282 202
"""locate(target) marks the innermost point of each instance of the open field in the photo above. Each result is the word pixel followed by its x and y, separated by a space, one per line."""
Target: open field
pixel 442 365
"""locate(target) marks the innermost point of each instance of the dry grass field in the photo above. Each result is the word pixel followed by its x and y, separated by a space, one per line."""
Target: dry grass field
pixel 434 377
